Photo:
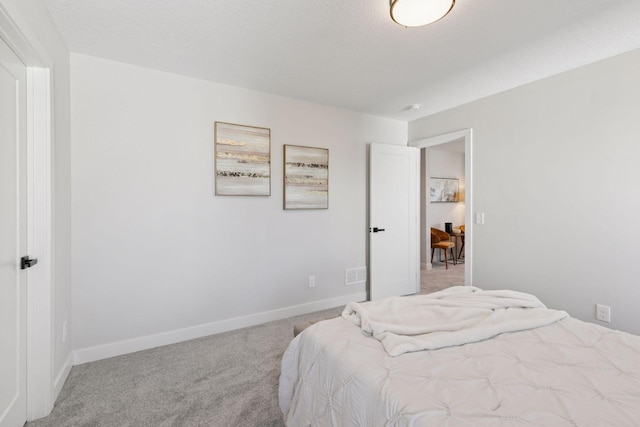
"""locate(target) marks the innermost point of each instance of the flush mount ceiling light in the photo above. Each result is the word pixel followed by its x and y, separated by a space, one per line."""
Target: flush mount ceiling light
pixel 414 13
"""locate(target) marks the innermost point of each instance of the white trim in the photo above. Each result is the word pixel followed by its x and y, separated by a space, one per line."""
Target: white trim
pixel 39 296
pixel 441 139
pixel 467 134
pixel 427 266
pixel 91 354
pixel 17 33
pixel 62 375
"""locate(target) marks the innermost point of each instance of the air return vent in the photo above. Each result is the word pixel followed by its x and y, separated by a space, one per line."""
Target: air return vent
pixel 353 276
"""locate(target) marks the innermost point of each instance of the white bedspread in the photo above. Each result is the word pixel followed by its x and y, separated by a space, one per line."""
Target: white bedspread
pixel 455 316
pixel 566 374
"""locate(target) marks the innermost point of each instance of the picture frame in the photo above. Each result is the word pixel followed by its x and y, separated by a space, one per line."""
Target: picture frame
pixel 306 177
pixel 444 190
pixel 242 160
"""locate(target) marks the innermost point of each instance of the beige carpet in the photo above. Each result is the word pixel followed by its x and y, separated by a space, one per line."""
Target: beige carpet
pixel 228 379
pixel 440 278
pixel 223 380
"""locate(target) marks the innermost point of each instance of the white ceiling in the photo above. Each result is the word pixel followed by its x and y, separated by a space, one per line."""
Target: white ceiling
pixel 349 53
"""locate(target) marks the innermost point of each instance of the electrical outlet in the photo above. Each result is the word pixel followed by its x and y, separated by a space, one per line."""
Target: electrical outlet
pixel 312 281
pixel 603 313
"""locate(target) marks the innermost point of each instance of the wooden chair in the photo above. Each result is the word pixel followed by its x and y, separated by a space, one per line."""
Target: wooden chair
pixel 442 240
pixel 462 240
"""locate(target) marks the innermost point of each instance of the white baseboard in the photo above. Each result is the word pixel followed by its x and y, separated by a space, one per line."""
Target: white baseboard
pixel 62 377
pixel 91 354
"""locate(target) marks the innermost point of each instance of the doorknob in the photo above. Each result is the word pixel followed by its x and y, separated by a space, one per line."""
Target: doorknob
pixel 26 262
pixel 376 229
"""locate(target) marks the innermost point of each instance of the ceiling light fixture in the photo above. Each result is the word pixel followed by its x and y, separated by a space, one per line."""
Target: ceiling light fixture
pixel 414 13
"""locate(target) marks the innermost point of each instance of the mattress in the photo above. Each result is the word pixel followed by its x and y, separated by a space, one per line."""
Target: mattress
pixel 569 373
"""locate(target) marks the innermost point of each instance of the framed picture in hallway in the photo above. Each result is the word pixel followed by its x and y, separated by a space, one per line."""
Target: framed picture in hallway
pixel 443 190
pixel 306 177
pixel 242 156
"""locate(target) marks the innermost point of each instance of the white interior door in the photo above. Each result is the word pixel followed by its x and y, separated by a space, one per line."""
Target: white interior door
pixel 13 409
pixel 393 220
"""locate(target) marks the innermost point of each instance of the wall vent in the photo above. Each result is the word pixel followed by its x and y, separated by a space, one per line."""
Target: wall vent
pixel 353 276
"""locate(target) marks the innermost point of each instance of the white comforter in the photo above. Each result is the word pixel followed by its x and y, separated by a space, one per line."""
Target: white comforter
pixel 455 316
pixel 568 373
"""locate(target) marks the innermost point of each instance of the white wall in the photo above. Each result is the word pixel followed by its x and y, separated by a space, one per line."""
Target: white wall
pixel 33 18
pixel 445 164
pixel 556 172
pixel 155 251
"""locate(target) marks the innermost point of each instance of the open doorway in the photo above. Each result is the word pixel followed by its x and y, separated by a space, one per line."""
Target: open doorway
pixel 442 202
pixel 446 157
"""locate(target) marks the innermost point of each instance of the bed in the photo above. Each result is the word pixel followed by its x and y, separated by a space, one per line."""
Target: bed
pixel 557 372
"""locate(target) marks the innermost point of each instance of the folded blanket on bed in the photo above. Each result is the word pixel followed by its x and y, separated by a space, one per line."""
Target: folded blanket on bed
pixel 454 316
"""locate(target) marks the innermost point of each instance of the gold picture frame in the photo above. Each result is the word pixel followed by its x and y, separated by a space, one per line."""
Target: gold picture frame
pixel 306 177
pixel 242 160
pixel 444 190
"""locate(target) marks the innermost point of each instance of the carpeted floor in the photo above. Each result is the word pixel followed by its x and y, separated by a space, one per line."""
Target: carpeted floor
pixel 440 278
pixel 229 379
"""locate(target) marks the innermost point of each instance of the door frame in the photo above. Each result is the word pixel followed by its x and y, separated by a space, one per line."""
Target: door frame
pixel 17 34
pixel 467 134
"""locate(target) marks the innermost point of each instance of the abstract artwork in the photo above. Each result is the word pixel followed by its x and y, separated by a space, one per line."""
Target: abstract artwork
pixel 443 190
pixel 306 177
pixel 242 160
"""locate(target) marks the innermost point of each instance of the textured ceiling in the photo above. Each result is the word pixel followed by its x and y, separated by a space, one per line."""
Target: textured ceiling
pixel 349 53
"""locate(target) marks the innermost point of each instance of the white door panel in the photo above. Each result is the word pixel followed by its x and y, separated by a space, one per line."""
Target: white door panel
pixel 12 239
pixel 394 219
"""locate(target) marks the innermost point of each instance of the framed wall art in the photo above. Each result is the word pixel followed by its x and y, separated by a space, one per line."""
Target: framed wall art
pixel 443 190
pixel 306 177
pixel 242 156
